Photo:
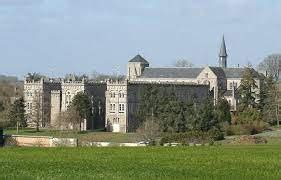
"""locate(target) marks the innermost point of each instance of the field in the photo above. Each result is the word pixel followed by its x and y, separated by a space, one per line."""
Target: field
pixel 217 162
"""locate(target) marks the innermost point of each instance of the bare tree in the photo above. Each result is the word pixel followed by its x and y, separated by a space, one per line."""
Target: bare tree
pixel 69 119
pixel 183 63
pixel 150 130
pixel 271 65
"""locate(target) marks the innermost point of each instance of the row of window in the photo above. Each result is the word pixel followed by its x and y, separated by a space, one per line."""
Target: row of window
pixel 29 94
pixel 121 108
pixel 231 85
pixel 116 120
pixel 29 106
pixel 121 95
pixel 67 99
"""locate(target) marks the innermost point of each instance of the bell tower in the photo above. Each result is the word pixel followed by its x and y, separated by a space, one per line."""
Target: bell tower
pixel 136 67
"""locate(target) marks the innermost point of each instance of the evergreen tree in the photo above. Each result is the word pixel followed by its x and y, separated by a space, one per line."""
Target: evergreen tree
pixel 270 103
pixel 2 108
pixel 206 116
pixel 222 111
pixel 17 113
pixel 181 125
pixel 247 95
pixel 82 104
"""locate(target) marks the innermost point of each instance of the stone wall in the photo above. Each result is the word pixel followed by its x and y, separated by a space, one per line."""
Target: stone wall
pixel 39 141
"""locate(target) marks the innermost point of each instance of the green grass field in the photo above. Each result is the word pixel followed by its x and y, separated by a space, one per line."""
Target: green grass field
pixel 217 162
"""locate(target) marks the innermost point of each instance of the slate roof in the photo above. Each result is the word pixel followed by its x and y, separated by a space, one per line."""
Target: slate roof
pixel 139 58
pixel 228 93
pixel 219 72
pixel 193 72
pixel 171 72
pixel 237 72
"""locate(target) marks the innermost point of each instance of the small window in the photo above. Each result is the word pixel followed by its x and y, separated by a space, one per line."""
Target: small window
pixel 121 108
pixel 230 85
pixel 206 75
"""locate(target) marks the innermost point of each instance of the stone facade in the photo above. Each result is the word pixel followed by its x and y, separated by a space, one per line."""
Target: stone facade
pixel 37 96
pixel 54 96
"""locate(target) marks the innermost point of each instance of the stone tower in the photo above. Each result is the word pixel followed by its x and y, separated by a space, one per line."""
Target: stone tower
pixel 136 67
pixel 55 107
pixel 223 55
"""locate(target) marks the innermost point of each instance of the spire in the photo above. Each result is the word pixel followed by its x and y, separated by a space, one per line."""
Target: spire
pixel 223 55
pixel 223 48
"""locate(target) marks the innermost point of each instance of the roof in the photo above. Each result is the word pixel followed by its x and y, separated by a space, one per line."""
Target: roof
pixel 139 58
pixel 237 72
pixel 219 72
pixel 228 93
pixel 171 72
pixel 223 49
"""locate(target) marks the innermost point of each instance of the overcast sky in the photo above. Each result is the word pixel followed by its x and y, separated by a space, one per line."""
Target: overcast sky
pixel 55 37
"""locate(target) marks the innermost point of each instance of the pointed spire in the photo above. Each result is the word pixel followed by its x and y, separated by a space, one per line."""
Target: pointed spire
pixel 223 48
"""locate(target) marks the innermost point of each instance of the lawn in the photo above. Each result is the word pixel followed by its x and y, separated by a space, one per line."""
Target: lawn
pixel 217 162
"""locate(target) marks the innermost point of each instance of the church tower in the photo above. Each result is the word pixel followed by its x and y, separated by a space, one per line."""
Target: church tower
pixel 136 67
pixel 223 55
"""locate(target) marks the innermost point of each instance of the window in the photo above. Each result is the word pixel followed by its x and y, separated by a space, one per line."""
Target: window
pixel 112 108
pixel 230 85
pixel 235 84
pixel 206 75
pixel 120 95
pixel 121 108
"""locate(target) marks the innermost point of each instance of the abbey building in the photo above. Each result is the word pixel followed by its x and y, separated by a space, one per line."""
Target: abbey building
pixel 188 82
pixel 116 102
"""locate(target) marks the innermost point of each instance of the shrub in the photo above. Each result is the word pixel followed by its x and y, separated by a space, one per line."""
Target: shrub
pixel 249 140
pixel 245 129
pixel 193 137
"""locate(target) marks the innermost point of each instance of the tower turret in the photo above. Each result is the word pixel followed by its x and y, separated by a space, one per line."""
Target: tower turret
pixel 136 67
